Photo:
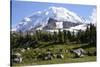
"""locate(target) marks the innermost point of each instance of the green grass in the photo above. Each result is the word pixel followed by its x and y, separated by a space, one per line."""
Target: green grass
pixel 29 57
pixel 59 61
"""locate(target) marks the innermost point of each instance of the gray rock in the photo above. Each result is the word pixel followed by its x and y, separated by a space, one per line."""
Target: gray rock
pixel 23 50
pixel 28 48
pixel 79 52
pixel 16 58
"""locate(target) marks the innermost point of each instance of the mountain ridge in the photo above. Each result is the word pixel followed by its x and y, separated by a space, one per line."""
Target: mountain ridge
pixel 50 19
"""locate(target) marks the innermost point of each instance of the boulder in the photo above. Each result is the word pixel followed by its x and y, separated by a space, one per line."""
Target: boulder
pixel 28 48
pixel 16 58
pixel 45 56
pixel 48 57
pixel 22 50
pixel 78 52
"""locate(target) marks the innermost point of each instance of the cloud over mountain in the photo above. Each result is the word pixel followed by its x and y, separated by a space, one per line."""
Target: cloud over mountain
pixel 93 16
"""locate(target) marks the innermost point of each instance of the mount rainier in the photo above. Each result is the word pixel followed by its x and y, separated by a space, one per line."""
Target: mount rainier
pixel 51 19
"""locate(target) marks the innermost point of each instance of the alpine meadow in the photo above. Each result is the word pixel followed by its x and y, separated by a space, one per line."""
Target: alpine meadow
pixel 52 33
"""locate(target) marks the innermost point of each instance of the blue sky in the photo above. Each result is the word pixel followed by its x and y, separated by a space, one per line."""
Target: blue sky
pixel 21 9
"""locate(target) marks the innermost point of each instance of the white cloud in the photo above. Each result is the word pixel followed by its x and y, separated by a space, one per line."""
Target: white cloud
pixel 93 17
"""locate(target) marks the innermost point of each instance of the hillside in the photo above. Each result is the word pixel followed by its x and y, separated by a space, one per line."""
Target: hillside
pixel 30 55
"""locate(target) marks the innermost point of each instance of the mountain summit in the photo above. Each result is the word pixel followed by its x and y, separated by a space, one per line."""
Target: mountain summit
pixel 52 18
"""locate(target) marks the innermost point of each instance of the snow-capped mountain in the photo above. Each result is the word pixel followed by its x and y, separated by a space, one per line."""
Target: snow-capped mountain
pixel 52 18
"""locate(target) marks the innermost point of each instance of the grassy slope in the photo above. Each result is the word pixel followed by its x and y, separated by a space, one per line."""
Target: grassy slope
pixel 55 48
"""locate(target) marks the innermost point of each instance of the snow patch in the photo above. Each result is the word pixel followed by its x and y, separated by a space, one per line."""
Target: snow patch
pixel 59 25
pixel 27 19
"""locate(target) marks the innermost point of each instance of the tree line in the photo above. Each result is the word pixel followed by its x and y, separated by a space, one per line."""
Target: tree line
pixel 20 38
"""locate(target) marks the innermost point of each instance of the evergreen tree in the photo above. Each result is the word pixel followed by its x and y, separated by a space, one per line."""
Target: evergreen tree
pixel 60 36
pixel 55 36
pixel 69 35
pixel 73 36
pixel 37 35
pixel 65 38
pixel 92 35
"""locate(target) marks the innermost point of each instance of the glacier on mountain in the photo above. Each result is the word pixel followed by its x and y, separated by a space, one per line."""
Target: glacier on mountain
pixel 61 18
